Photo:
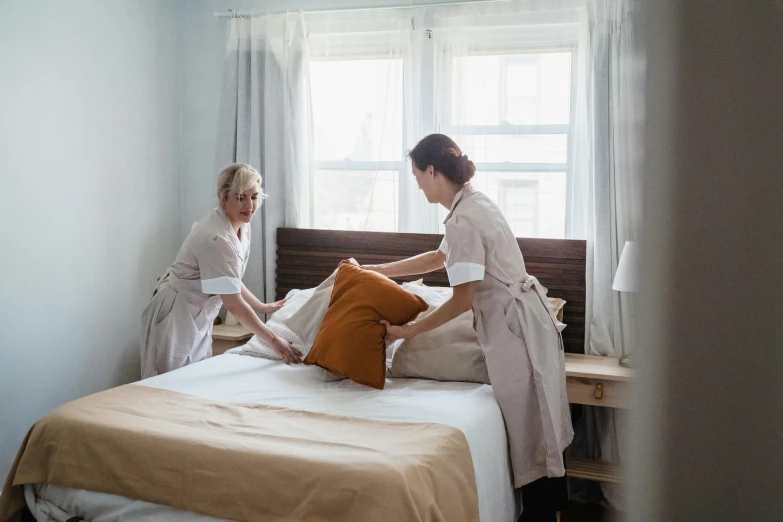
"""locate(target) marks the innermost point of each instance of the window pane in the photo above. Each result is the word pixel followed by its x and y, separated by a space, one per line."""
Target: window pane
pixel 357 109
pixel 356 200
pixel 522 89
pixel 518 148
pixel 532 202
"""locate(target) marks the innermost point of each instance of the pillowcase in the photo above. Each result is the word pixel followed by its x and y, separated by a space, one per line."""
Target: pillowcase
pixel 351 339
pixel 450 352
pixel 276 322
pixel 298 321
pixel 306 320
pixel 557 305
pixel 258 347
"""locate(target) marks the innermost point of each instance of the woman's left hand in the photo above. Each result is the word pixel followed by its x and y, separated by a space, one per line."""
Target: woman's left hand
pixel 393 333
pixel 274 307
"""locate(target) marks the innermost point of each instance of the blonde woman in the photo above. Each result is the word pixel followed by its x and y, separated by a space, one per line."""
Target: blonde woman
pixel 207 273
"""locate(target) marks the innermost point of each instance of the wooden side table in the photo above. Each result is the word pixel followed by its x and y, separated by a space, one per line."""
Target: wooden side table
pixel 225 337
pixel 596 381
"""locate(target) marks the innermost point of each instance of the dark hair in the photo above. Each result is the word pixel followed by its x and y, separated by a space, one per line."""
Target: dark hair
pixel 444 155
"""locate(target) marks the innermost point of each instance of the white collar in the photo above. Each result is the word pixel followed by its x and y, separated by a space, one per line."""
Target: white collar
pixel 466 188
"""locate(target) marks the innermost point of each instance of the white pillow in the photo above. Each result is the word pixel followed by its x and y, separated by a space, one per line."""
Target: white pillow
pixel 259 347
pixel 306 320
pixel 304 311
pixel 450 352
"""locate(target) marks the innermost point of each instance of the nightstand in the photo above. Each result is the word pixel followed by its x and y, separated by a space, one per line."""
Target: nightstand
pixel 225 337
pixel 596 381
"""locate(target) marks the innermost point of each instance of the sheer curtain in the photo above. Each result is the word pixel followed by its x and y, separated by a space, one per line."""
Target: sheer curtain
pixel 606 196
pixel 504 92
pixel 365 69
pixel 265 120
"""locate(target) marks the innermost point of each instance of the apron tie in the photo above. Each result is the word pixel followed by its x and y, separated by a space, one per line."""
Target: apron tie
pixel 190 289
pixel 165 275
pixel 531 283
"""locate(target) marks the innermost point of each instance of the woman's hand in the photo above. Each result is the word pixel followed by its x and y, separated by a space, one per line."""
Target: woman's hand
pixel 286 350
pixel 393 333
pixel 273 307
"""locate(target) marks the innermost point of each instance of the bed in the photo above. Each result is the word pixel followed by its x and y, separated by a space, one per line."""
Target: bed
pixel 438 422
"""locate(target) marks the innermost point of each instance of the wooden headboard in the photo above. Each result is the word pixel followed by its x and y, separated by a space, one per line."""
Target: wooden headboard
pixel 305 257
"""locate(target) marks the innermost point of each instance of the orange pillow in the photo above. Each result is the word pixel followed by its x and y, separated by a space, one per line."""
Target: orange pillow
pixel 351 339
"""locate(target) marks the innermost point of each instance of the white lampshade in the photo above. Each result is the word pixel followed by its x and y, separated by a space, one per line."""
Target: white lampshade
pixel 625 279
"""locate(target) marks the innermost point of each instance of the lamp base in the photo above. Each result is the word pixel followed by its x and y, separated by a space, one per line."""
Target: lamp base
pixel 626 361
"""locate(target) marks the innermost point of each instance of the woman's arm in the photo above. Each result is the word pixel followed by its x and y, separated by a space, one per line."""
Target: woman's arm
pixel 235 304
pixel 421 264
pixel 460 302
pixel 257 305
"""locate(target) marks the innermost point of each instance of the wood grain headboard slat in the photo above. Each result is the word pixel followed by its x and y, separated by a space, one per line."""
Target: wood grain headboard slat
pixel 305 257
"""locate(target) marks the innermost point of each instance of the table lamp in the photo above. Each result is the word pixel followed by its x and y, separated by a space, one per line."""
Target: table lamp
pixel 625 280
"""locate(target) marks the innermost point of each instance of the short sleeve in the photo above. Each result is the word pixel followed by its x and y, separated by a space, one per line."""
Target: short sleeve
pixel 465 254
pixel 220 267
pixel 444 246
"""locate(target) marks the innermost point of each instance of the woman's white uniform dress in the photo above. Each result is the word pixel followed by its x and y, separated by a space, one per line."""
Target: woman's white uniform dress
pixel 177 322
pixel 518 332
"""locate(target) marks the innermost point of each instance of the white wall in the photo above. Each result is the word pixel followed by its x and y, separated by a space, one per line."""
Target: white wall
pixel 89 195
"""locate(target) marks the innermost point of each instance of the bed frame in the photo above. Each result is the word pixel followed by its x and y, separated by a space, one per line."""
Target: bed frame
pixel 305 257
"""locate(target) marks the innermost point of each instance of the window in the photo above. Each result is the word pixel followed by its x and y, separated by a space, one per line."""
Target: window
pixel 511 111
pixel 520 199
pixel 512 114
pixel 357 123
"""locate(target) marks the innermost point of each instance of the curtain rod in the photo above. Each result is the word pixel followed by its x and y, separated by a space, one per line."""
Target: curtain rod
pixel 258 12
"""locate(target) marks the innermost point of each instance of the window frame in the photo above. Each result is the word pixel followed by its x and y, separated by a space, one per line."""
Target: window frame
pixel 355 52
pixel 505 128
pixel 509 183
pixel 428 86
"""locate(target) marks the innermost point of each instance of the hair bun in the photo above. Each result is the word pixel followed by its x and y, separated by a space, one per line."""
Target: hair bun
pixel 466 167
pixel 440 152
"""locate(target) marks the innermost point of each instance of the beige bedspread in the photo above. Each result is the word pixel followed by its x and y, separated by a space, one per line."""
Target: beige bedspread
pixel 247 461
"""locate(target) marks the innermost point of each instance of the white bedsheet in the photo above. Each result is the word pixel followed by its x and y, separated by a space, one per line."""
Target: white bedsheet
pixel 468 407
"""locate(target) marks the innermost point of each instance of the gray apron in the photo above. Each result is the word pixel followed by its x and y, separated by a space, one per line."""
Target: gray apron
pixel 518 332
pixel 521 340
pixel 177 322
pixel 177 325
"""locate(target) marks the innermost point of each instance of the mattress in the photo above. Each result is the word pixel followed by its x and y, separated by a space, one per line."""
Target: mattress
pixel 233 377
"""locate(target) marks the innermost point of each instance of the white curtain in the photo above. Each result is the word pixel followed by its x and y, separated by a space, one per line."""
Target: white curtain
pixel 504 93
pixel 265 120
pixel 606 197
pixel 366 68
pixel 608 154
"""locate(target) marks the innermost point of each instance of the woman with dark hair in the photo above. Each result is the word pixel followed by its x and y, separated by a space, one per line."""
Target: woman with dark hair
pixel 517 328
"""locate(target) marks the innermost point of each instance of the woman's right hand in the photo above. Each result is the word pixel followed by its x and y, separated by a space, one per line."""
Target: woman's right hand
pixel 286 350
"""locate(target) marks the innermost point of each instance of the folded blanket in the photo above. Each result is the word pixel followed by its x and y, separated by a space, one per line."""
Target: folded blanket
pixel 247 461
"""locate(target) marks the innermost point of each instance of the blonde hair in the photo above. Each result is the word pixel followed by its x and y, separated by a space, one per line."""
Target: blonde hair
pixel 237 178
